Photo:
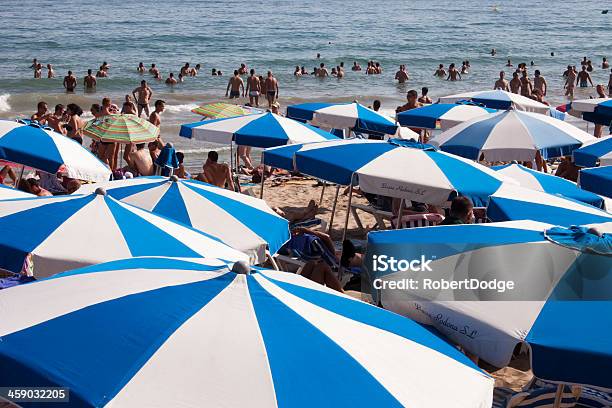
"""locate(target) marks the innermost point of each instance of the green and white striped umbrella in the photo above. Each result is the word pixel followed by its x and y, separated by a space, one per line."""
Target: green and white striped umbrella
pixel 121 129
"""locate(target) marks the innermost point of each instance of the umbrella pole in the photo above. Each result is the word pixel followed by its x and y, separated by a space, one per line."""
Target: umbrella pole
pixel 263 176
pixel 322 192
pixel 348 209
pixel 399 215
pixel 331 219
pixel 19 177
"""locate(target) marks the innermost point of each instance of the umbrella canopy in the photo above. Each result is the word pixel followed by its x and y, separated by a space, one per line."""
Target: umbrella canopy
pixel 343 115
pixel 511 135
pixel 44 149
pixel 596 105
pixel 594 152
pixel 598 180
pixel 8 193
pixel 220 110
pixel 448 114
pixel 560 306
pixel 511 203
pixel 140 332
pixel 537 180
pixel 67 232
pixel 257 130
pixel 241 221
pixel 499 100
pixel 394 169
pixel 121 128
pixel 566 108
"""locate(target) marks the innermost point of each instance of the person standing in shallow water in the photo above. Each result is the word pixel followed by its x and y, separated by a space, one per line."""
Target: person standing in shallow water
pixel 271 89
pixel 253 88
pixel 453 74
pixel 234 85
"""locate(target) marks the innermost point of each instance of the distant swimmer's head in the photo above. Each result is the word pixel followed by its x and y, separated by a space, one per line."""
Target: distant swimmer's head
pixel 322 65
pixel 89 72
pixel 171 75
pixel 152 65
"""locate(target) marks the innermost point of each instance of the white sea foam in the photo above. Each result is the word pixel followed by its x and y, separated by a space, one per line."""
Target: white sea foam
pixel 181 108
pixel 4 104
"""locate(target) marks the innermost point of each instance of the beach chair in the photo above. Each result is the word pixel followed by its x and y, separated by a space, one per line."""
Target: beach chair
pixel 590 397
pixel 536 397
pixel 313 223
pixel 379 215
pixel 421 220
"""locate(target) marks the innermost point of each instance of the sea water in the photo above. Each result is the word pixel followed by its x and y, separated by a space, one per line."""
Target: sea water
pixel 277 36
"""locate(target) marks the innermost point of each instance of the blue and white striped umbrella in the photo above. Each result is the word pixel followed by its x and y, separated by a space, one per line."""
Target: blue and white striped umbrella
pixel 393 170
pixel 599 151
pixel 539 181
pixel 448 114
pixel 511 203
pixel 258 130
pixel 560 306
pixel 8 193
pixel 499 99
pixel 44 149
pixel 241 221
pixel 160 332
pixel 60 233
pixel 597 110
pixel 511 135
pixel 342 116
pixel 597 179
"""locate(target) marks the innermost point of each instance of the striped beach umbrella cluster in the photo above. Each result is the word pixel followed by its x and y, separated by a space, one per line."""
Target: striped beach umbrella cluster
pixel 343 116
pixel 161 332
pixel 220 110
pixel 511 135
pixel 512 202
pixel 241 221
pixel 598 151
pixel 446 114
pixel 540 181
pixel 560 307
pixel 597 179
pixel 66 232
pixel 256 130
pixel 393 169
pixel 499 99
pixel 121 128
pixel 44 149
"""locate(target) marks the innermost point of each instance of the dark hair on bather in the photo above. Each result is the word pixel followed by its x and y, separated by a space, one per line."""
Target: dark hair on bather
pixel 213 156
pixel 412 93
pixel 180 156
pixel 75 109
pixel 460 207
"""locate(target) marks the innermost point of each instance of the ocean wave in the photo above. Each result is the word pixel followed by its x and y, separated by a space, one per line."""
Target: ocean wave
pixel 4 104
pixel 181 108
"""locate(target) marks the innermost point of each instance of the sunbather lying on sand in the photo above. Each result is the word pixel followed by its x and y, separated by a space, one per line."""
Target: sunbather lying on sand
pixel 297 214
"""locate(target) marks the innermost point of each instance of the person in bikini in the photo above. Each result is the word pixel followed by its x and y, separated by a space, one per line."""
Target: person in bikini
pixel 253 88
pixel 143 95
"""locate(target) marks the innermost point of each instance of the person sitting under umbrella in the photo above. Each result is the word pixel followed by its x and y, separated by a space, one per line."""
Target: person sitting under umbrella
pixel 217 174
pixel 461 212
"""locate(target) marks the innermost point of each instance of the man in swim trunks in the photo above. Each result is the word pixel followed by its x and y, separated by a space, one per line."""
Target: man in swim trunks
pixel 515 83
pixel 89 81
pixel 570 82
pixel 70 82
pixel 584 77
pixel 401 75
pixel 171 80
pixel 271 89
pixel 501 83
pixel 440 72
pixel 142 95
pixel 526 85
pixel 253 88
pixel 539 83
pixel 236 84
pixel 155 117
